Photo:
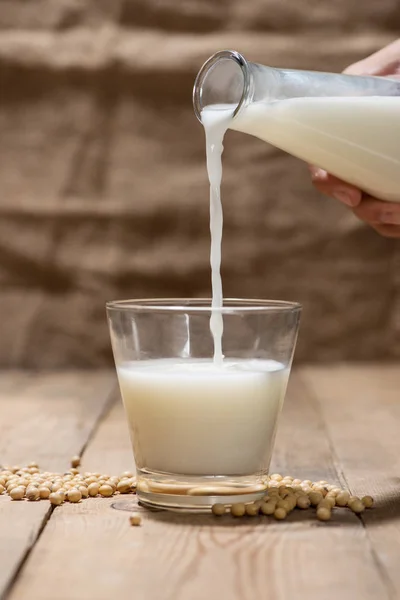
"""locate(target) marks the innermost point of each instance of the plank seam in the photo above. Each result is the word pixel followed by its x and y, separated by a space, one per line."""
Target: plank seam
pixel 21 565
pixel 383 574
pixel 109 403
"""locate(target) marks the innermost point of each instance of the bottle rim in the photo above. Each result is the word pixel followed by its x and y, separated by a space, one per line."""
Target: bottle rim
pixel 240 60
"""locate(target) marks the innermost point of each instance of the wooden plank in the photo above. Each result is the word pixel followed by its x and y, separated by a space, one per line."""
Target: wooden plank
pixel 362 413
pixel 181 557
pixel 47 418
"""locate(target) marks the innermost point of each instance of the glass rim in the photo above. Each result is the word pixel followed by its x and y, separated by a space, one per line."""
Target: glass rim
pixel 203 305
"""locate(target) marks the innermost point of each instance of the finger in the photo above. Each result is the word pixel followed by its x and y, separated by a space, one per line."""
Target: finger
pixel 334 187
pixel 384 217
pixel 389 231
pixel 384 62
pixel 377 212
pixel 364 67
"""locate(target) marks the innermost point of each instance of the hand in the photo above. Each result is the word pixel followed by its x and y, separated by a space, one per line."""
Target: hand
pixel 384 217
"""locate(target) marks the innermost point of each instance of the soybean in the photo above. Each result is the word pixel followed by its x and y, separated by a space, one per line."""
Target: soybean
pixel 218 509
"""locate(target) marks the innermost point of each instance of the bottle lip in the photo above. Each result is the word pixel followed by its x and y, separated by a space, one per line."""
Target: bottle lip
pixel 201 76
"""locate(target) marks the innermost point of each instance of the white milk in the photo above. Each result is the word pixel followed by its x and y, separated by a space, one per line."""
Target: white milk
pixel 195 418
pixel 357 139
pixel 215 124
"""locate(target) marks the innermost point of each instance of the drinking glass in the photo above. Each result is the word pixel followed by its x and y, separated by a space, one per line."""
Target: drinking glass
pixel 202 432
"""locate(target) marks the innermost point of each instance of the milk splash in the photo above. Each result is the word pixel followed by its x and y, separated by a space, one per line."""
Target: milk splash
pixel 215 123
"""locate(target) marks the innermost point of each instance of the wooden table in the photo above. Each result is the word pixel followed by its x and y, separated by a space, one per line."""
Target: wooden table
pixel 340 423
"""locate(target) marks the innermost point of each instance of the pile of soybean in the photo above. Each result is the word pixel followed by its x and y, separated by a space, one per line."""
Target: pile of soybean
pixel 284 494
pixel 33 484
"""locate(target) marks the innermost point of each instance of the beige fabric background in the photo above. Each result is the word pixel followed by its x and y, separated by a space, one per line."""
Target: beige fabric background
pixel 103 184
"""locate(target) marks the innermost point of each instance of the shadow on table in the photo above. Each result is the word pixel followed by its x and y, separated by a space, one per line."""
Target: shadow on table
pixel 340 518
pixel 386 509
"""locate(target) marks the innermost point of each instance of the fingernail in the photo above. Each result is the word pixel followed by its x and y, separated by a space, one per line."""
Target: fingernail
pixel 390 218
pixel 318 174
pixel 347 197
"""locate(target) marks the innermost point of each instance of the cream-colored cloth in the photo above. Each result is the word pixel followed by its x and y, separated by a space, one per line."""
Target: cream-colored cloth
pixel 103 189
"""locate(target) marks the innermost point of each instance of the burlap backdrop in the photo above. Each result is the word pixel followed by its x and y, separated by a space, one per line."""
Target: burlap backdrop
pixel 103 184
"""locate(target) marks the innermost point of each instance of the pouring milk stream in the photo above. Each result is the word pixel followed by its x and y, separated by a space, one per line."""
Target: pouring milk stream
pixel 347 125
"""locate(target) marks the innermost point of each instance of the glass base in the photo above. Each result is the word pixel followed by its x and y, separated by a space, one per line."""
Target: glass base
pixel 199 504
pixel 196 494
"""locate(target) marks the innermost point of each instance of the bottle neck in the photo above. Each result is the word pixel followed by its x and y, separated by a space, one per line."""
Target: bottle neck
pixel 224 79
pixel 228 79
